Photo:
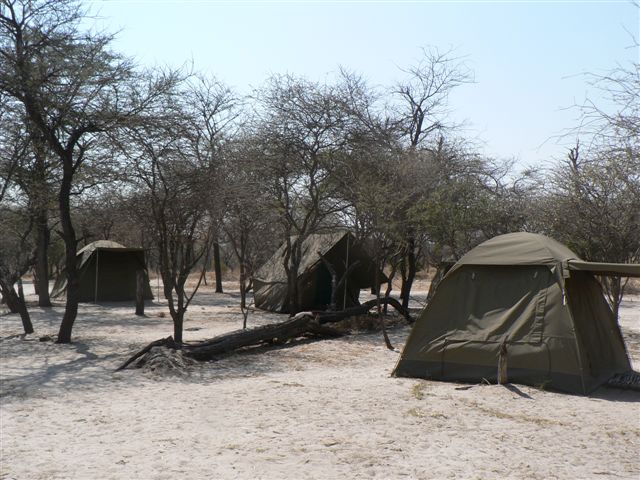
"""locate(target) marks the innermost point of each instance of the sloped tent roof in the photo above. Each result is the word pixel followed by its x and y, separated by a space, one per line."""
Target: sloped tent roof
pixel 340 249
pixel 522 248
pixel 116 272
pixel 538 297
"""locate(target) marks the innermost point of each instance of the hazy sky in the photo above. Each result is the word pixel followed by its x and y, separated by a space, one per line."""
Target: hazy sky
pixel 528 57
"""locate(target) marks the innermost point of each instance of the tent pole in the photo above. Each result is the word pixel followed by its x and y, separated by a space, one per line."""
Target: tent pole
pixel 95 299
pixel 346 269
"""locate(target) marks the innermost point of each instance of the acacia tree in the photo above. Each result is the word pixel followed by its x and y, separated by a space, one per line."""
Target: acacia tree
pixel 213 109
pixel 302 142
pixel 381 179
pixel 602 182
pixel 593 207
pixel 24 166
pixel 16 221
pixel 173 182
pixel 471 199
pixel 247 224
pixel 14 147
pixel 16 258
pixel 73 90
pixel 618 125
pixel 374 200
pixel 420 111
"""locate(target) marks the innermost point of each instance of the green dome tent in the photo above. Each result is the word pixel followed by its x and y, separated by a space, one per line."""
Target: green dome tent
pixel 532 295
pixel 107 272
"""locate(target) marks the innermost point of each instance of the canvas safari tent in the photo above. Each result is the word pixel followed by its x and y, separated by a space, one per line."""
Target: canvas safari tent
pixel 535 296
pixel 341 250
pixel 107 272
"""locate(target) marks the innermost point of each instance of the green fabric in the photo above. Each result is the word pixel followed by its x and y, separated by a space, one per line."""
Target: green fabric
pixel 86 252
pixel 520 248
pixel 314 280
pixel 558 329
pixel 601 343
pixel 116 273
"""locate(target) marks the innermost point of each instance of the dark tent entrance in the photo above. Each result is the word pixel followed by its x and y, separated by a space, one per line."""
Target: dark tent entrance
pixel 107 272
pixel 321 283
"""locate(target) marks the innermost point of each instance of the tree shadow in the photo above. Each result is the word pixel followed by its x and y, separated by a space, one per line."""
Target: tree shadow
pixel 85 370
pixel 612 394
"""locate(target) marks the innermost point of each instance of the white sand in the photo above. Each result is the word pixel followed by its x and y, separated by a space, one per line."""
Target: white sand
pixel 326 409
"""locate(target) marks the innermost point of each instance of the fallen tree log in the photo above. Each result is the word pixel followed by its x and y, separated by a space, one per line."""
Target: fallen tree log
pixel 294 327
pixel 301 324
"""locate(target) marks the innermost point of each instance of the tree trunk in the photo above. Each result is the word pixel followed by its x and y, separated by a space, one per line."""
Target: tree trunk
pixel 441 270
pixel 36 289
pixel 177 312
pixel 178 323
pixel 616 295
pixel 411 268
pixel 41 280
pixel 614 288
pixel 245 315
pixel 217 266
pixel 243 291
pixel 379 310
pixel 70 244
pixel 22 308
pixel 392 274
pixel 140 292
pixel 15 302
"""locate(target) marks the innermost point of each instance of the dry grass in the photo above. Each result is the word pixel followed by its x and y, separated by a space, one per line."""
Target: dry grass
pixel 500 413
pixel 416 412
pixel 418 390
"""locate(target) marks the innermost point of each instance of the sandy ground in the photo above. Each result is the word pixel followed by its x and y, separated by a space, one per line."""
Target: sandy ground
pixel 324 410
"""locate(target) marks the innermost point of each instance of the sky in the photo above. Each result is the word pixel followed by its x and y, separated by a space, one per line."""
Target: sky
pixel 529 58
